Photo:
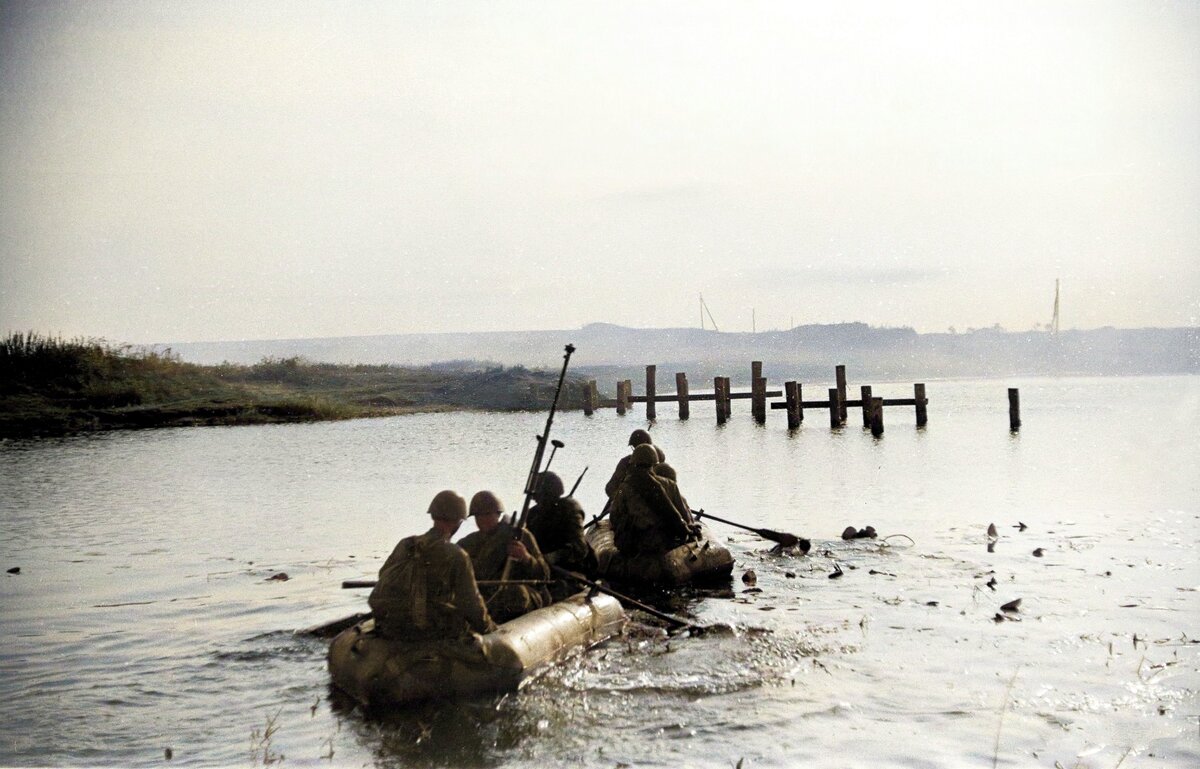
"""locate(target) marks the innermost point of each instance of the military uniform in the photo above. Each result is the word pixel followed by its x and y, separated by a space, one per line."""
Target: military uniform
pixel 426 591
pixel 489 554
pixel 649 515
pixel 622 469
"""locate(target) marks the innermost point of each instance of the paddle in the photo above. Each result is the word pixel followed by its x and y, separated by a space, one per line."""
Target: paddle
pixel 353 583
pixel 782 537
pixel 677 621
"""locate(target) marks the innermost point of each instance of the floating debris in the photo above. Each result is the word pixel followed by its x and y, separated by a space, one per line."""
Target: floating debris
pixel 280 577
pixel 15 570
pixel 991 583
pixel 1013 605
pixel 1039 553
pixel 867 532
pixel 168 754
pixel 992 530
pixel 1020 526
pixel 998 618
pixel 991 546
pixel 790 574
pixel 750 578
pixel 837 571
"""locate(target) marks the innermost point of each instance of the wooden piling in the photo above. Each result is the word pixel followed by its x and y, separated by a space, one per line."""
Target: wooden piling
pixel 594 394
pixel 758 399
pixel 587 398
pixel 681 389
pixel 866 405
pixel 621 398
pixel 650 392
pixel 835 409
pixel 877 417
pixel 719 398
pixel 919 397
pixel 1014 409
pixel 840 373
pixel 727 385
pixel 793 404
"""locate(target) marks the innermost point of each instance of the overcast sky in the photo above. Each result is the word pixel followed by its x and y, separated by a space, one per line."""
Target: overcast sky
pixel 176 171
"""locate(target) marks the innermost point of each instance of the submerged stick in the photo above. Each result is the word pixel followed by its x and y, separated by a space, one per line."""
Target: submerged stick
pixel 571 575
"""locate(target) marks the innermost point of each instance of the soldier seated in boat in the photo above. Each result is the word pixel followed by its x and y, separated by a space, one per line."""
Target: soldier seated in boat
pixel 636 438
pixel 426 588
pixel 491 547
pixel 556 522
pixel 649 515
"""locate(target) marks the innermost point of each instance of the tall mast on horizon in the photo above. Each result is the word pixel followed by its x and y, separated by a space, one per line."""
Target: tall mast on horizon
pixel 1054 319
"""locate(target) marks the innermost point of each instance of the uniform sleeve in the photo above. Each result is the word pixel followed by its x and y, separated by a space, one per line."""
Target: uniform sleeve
pixel 538 568
pixel 467 598
pixel 618 475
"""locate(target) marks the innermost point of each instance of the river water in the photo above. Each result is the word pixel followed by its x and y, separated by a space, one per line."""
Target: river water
pixel 143 619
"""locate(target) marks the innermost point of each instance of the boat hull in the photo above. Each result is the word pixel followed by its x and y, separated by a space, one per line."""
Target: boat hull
pixel 379 673
pixel 704 560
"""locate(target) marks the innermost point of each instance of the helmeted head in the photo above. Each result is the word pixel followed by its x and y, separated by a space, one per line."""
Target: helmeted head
pixel 644 456
pixel 448 506
pixel 550 486
pixel 486 508
pixel 663 470
pixel 639 437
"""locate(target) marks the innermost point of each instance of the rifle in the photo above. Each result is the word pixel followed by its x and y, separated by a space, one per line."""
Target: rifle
pixel 577 480
pixel 531 480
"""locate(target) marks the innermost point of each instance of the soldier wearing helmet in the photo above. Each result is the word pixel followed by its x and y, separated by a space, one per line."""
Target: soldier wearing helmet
pixel 649 515
pixel 636 438
pixel 490 549
pixel 426 588
pixel 556 523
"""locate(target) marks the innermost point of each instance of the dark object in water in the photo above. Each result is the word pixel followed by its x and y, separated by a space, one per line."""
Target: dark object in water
pixel 699 561
pixel 1013 605
pixel 783 538
pixel 168 754
pixel 1039 553
pixel 992 583
pixel 991 547
pixel 280 577
pixel 790 574
pixel 998 618
pixel 992 530
pixel 865 533
pixel 15 570
pixel 1020 526
pixel 750 578
pixel 837 571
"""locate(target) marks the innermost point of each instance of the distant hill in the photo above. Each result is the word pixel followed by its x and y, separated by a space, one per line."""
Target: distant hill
pixel 804 353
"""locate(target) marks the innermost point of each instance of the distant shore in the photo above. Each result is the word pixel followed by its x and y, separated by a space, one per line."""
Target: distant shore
pixel 51 386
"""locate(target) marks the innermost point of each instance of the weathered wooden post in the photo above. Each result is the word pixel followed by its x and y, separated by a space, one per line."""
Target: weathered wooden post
pixel 650 410
pixel 840 374
pixel 757 401
pixel 799 402
pixel 1014 409
pixel 719 398
pixel 594 394
pixel 681 390
pixel 877 417
pixel 621 401
pixel 758 391
pixel 791 393
pixel 587 399
pixel 919 397
pixel 866 405
pixel 835 410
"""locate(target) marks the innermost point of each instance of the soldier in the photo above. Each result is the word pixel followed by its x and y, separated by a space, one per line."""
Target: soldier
pixel 556 522
pixel 649 515
pixel 426 588
pixel 490 549
pixel 636 438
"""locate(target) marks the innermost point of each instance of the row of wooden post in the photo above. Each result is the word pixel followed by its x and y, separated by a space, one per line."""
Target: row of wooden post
pixel 723 395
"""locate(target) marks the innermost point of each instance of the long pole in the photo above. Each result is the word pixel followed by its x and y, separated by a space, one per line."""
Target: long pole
pixel 531 481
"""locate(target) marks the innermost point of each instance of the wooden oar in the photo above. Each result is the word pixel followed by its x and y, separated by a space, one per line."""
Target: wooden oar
pixel 782 537
pixel 353 583
pixel 676 621
pixel 330 629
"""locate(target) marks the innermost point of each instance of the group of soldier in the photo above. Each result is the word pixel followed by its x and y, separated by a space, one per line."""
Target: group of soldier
pixel 432 588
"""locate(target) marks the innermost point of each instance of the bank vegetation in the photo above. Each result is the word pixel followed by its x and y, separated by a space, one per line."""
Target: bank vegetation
pixel 53 386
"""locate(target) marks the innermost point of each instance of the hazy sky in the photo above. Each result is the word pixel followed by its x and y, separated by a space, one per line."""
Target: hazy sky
pixel 175 171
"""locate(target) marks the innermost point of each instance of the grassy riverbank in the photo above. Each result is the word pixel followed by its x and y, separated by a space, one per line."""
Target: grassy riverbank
pixel 52 386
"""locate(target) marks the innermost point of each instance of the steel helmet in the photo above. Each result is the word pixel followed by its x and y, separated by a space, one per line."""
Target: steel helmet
pixel 644 456
pixel 550 485
pixel 448 506
pixel 638 437
pixel 485 502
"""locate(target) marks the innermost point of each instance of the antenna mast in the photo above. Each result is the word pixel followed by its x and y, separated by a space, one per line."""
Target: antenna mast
pixel 704 309
pixel 1054 320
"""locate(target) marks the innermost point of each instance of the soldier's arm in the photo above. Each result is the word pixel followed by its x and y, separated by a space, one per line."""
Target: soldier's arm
pixel 467 598
pixel 618 475
pixel 576 548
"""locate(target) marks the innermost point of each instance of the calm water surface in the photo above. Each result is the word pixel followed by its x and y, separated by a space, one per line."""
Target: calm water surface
pixel 143 618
